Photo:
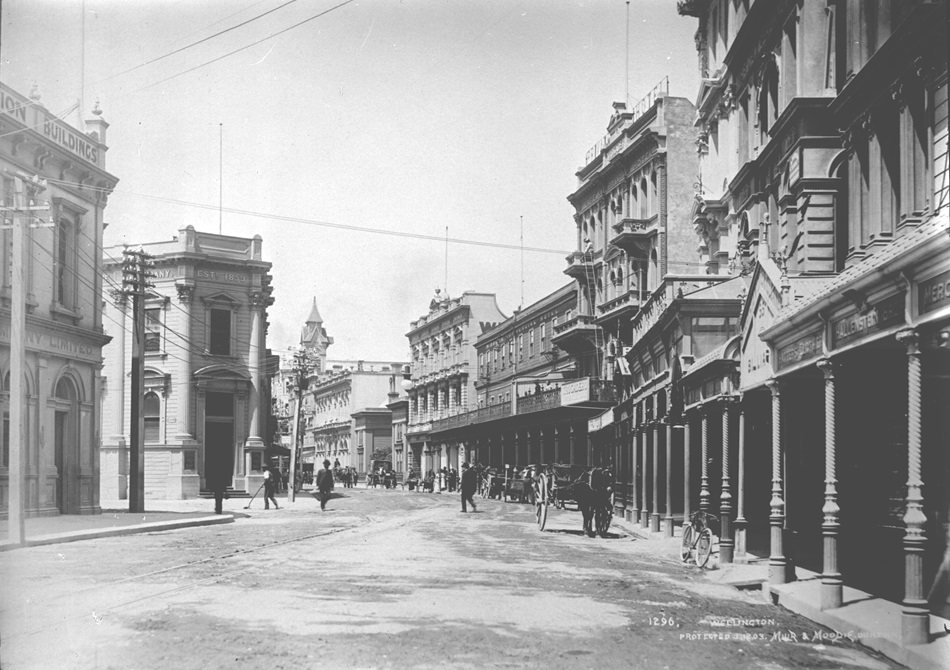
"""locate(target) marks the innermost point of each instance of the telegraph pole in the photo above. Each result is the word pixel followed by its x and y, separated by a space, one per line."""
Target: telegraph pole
pixel 301 367
pixel 135 281
pixel 20 215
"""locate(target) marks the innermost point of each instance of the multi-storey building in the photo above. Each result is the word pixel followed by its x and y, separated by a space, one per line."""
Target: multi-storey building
pixel 62 284
pixel 844 235
pixel 631 208
pixel 442 345
pixel 206 403
pixel 331 402
pixel 532 406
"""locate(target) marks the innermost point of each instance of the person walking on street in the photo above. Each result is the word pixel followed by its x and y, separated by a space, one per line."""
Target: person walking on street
pixel 271 479
pixel 325 484
pixel 218 485
pixel 468 486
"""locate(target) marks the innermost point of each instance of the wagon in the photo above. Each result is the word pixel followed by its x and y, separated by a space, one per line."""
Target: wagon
pixel 588 490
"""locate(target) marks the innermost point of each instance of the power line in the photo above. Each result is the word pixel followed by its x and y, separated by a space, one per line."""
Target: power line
pixel 193 44
pixel 248 46
pixel 327 224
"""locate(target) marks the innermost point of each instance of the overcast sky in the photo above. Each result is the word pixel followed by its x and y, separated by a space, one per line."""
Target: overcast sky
pixel 405 116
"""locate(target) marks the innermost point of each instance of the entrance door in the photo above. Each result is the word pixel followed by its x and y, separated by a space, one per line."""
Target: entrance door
pixel 59 458
pixel 219 438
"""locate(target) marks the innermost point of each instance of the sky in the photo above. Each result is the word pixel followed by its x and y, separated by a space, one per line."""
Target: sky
pixel 403 117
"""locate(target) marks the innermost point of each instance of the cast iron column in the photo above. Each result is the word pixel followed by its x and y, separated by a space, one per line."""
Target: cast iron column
pixel 645 509
pixel 668 519
pixel 686 500
pixel 704 477
pixel 778 564
pixel 741 523
pixel 915 618
pixel 831 584
pixel 726 542
pixel 655 516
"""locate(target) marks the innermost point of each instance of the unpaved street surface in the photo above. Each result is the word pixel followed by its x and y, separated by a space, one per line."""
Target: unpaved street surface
pixel 390 579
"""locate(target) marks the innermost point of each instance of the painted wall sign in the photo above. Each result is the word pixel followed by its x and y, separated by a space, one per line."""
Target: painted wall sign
pixel 56 344
pixel 934 293
pixel 600 421
pixel 886 313
pixel 800 350
pixel 575 391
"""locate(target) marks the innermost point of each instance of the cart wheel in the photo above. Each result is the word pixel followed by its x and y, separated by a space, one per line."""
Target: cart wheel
pixel 686 549
pixel 541 502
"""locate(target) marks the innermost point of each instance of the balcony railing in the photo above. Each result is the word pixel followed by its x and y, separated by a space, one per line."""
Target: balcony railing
pixel 578 321
pixel 602 391
pixel 539 401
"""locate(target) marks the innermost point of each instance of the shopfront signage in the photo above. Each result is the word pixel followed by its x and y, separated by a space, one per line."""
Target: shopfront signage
pixel 36 118
pixel 600 421
pixel 575 391
pixel 879 317
pixel 934 293
pixel 800 350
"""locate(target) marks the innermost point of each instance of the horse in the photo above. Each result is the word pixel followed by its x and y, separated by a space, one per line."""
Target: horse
pixel 593 494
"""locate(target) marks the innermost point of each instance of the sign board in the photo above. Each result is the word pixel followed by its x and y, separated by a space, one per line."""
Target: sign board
pixel 600 421
pixel 934 293
pixel 756 355
pixel 576 391
pixel 800 350
pixel 888 312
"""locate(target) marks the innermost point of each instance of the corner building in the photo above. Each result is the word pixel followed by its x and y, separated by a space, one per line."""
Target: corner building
pixel 62 275
pixel 206 402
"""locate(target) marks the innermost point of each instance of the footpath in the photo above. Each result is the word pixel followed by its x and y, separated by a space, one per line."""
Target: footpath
pixel 873 622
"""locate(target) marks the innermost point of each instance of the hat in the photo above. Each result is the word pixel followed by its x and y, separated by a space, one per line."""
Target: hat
pixel 326 462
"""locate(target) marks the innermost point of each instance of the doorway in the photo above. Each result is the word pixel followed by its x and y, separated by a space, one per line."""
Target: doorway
pixel 219 438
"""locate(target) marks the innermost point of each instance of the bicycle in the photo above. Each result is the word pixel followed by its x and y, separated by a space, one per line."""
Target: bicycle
pixel 698 537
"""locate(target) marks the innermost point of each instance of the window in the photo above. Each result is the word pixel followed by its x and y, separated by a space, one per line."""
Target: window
pixel 521 347
pixel 152 409
pixel 220 332
pixel 65 272
pixel 542 337
pixel 153 329
pixel 531 342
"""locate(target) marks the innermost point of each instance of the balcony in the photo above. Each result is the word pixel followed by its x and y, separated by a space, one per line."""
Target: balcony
pixel 580 266
pixel 576 335
pixel 633 235
pixel 418 428
pixel 623 306
pixel 539 401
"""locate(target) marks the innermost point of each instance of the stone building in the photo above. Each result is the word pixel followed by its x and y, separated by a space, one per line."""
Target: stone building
pixel 442 345
pixel 63 285
pixel 206 404
pixel 839 449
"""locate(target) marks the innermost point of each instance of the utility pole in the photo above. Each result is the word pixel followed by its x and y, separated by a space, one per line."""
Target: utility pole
pixel 135 282
pixel 15 218
pixel 301 368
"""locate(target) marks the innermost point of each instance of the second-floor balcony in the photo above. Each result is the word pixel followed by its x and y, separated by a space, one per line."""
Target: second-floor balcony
pixel 632 234
pixel 577 334
pixel 580 266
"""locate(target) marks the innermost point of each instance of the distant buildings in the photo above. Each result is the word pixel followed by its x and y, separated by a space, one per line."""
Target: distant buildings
pixel 207 403
pixel 62 282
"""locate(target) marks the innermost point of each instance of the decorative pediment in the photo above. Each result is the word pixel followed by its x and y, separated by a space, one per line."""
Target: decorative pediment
pixel 221 298
pixel 221 372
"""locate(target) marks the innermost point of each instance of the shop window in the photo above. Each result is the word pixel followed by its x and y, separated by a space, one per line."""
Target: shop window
pixel 153 329
pixel 220 336
pixel 152 409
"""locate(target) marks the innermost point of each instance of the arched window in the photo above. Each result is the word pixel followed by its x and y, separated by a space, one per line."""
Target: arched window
pixel 151 409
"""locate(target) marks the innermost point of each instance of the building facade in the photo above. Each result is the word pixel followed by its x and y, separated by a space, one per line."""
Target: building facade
pixel 442 345
pixel 844 236
pixel 532 407
pixel 44 162
pixel 206 403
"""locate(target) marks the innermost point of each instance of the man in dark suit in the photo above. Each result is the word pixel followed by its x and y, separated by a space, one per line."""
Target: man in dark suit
pixel 469 484
pixel 325 484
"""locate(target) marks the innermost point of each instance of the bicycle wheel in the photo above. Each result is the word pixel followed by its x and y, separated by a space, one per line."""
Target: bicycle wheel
pixel 686 549
pixel 703 548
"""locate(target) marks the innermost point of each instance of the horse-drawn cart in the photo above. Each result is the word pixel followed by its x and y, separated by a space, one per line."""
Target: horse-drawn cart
pixel 588 490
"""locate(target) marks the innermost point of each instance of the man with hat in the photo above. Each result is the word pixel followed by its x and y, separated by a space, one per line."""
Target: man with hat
pixel 468 485
pixel 271 481
pixel 325 483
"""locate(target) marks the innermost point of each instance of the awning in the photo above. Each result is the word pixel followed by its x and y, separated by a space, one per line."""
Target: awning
pixel 600 421
pixel 276 450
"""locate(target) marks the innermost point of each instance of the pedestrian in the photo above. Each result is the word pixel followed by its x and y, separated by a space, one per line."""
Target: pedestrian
pixel 325 483
pixel 218 485
pixel 468 486
pixel 271 482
